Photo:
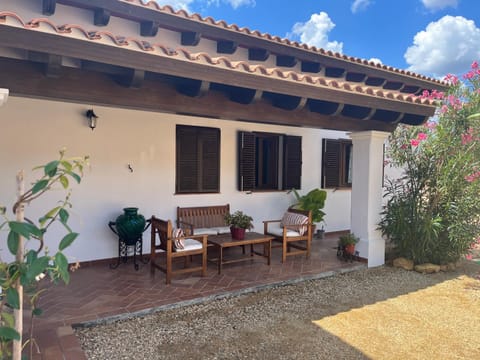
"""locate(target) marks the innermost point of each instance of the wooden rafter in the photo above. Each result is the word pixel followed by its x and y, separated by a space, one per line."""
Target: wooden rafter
pixel 24 79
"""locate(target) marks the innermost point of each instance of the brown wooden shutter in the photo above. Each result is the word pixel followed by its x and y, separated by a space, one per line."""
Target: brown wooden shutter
pixel 331 163
pixel 197 159
pixel 246 161
pixel 186 176
pixel 292 162
pixel 209 167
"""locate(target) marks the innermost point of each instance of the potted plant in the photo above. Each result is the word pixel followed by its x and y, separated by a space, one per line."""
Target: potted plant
pixel 239 222
pixel 314 201
pixel 347 243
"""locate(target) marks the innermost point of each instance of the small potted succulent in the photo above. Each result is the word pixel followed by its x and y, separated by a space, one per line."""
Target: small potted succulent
pixel 239 222
pixel 347 243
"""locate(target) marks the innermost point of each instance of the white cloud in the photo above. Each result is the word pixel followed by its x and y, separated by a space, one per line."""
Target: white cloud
pixel 237 3
pixel 176 4
pixel 233 3
pixel 315 31
pixel 376 61
pixel 359 5
pixel 439 4
pixel 448 45
pixel 184 4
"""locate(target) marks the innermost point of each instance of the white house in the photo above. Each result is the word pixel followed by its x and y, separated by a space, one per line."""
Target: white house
pixel 173 90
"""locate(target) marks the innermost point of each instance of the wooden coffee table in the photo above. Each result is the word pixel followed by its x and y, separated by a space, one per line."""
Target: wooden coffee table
pixel 223 241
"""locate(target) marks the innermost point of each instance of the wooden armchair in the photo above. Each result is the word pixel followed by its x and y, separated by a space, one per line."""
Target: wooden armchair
pixel 162 239
pixel 293 231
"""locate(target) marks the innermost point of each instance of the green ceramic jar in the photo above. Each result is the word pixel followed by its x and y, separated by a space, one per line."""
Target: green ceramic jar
pixel 130 225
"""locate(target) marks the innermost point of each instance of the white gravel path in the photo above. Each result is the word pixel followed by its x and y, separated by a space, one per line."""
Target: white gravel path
pixel 272 324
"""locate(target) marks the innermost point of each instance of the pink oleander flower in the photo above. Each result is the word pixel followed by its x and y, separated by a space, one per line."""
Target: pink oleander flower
pixel 468 137
pixel 469 256
pixel 475 65
pixel 414 142
pixel 425 94
pixel 436 95
pixel 452 79
pixel 444 109
pixel 469 75
pixel 452 99
pixel 421 136
pixel 431 125
pixel 472 177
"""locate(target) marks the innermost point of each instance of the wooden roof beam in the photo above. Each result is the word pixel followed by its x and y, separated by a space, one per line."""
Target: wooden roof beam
pixel 48 7
pixel 287 102
pixel 226 46
pixel 101 17
pixel 375 81
pixel 190 38
pixel 149 28
pixel 243 95
pixel 286 61
pixel 334 72
pixel 311 67
pixel 132 79
pixel 257 54
pixel 52 64
pixel 23 79
pixel 192 87
pixel 355 77
pixel 116 56
pixel 132 11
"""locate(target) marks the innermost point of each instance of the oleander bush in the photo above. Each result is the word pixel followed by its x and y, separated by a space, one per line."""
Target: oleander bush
pixel 432 212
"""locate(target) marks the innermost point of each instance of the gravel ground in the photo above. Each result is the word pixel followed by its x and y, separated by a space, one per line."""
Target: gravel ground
pixel 269 324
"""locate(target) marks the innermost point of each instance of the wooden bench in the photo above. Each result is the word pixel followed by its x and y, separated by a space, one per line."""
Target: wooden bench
pixel 203 220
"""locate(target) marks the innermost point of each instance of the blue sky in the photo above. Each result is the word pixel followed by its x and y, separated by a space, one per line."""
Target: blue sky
pixel 431 37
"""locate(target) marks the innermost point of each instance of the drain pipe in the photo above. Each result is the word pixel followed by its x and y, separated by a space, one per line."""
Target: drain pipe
pixel 3 96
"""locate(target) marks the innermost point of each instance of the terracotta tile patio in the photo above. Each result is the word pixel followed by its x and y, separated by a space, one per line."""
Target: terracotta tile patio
pixel 97 293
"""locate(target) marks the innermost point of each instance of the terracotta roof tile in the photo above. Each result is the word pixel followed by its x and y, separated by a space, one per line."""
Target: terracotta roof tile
pixel 221 23
pixel 182 54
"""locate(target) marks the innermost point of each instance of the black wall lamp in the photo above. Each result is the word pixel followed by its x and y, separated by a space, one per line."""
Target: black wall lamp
pixel 92 119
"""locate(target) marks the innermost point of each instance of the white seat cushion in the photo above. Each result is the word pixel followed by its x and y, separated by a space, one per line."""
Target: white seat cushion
pixel 222 229
pixel 190 244
pixel 205 231
pixel 276 229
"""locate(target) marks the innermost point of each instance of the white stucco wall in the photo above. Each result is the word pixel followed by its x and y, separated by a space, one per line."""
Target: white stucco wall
pixel 33 131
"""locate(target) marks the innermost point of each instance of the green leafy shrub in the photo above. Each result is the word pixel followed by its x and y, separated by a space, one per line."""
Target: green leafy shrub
pixel 432 213
pixel 314 200
pixel 19 278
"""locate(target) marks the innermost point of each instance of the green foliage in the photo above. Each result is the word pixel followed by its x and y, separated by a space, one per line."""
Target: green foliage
pixel 36 263
pixel 348 239
pixel 314 200
pixel 432 213
pixel 239 220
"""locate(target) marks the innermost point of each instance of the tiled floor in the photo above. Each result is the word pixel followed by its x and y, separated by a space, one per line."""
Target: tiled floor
pixel 98 293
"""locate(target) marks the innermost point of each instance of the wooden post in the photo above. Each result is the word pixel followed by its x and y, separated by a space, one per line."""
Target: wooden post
pixel 18 313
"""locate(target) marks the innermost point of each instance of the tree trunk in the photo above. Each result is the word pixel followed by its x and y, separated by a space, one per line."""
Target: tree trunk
pixel 18 313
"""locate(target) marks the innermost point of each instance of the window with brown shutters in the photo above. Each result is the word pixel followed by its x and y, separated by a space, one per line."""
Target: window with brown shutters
pixel 197 159
pixel 268 161
pixel 336 163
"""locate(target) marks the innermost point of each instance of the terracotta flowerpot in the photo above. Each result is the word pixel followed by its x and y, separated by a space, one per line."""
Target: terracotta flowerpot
pixel 350 249
pixel 237 233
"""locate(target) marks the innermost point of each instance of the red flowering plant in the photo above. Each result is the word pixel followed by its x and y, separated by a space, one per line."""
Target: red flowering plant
pixel 432 212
